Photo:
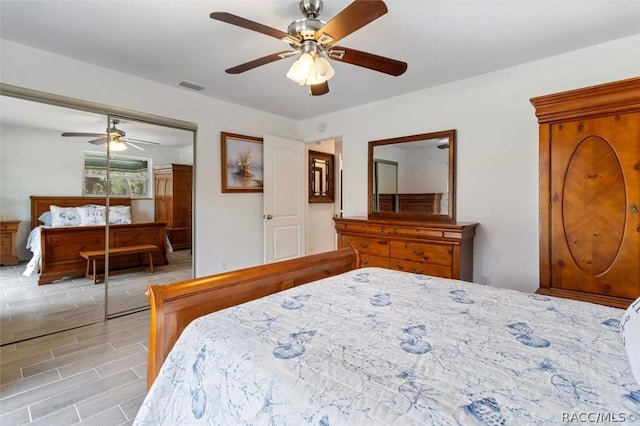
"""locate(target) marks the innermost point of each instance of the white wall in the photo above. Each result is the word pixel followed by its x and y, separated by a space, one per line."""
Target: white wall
pixel 229 226
pixel 497 161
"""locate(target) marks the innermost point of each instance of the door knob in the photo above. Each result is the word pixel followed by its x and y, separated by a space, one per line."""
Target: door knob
pixel 634 208
pixel 268 217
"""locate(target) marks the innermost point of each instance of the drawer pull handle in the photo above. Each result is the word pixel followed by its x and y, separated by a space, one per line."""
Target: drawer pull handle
pixel 363 245
pixel 418 252
pixel 365 262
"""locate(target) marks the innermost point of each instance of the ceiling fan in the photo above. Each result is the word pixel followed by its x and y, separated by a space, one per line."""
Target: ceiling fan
pixel 314 41
pixel 118 140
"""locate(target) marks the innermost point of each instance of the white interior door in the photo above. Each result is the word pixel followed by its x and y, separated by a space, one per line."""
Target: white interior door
pixel 285 193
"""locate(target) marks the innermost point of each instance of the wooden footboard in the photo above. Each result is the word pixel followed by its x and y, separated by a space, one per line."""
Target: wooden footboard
pixel 61 247
pixel 174 306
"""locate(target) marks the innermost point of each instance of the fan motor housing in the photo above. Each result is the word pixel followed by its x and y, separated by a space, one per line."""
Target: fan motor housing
pixel 305 28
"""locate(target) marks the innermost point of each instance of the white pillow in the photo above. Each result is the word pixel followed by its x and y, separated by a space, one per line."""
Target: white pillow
pixel 91 216
pixel 45 218
pixel 120 214
pixel 64 216
pixel 630 333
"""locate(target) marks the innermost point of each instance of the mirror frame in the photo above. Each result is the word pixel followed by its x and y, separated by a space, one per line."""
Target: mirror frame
pixel 329 158
pixel 451 215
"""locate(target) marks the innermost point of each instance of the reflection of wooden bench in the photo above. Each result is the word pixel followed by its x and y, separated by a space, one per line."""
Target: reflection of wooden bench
pixel 93 255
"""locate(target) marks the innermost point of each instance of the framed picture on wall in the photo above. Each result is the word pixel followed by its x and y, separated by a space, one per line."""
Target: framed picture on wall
pixel 242 163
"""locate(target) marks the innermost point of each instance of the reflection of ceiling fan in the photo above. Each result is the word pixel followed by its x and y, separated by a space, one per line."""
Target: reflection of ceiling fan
pixel 118 140
pixel 313 40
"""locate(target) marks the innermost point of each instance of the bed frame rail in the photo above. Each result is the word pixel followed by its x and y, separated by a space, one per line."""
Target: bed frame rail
pixel 174 306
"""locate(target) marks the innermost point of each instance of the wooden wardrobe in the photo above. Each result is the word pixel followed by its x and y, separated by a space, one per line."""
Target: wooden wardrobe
pixel 173 196
pixel 590 193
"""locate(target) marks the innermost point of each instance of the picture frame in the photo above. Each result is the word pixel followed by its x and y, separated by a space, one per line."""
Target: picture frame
pixel 242 163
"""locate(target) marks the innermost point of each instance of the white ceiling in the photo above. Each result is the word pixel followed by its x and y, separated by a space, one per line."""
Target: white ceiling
pixel 441 40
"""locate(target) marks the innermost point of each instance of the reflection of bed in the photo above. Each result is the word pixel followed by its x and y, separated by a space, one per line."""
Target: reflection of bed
pixel 410 203
pixel 59 246
pixel 376 346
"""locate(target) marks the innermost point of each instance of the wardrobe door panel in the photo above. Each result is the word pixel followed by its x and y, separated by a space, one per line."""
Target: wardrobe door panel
pixel 595 178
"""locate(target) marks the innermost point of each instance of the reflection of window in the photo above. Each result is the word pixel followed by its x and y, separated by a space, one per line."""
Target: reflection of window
pixel 128 176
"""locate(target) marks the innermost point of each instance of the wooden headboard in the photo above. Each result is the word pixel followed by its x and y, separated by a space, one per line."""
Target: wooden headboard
pixel 40 204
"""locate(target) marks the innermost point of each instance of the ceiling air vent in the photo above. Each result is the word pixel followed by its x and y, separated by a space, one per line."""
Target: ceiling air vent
pixel 192 86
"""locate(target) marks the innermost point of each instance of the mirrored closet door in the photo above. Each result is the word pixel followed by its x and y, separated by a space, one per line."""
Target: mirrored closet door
pixel 153 166
pixel 55 167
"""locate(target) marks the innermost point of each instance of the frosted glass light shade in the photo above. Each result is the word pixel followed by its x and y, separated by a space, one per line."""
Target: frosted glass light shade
pixel 324 70
pixel 310 70
pixel 117 146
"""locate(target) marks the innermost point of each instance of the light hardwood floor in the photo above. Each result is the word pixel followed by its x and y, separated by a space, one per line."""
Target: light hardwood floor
pixel 92 375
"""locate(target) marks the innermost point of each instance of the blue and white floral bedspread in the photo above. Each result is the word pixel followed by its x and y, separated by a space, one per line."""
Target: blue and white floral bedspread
pixel 375 346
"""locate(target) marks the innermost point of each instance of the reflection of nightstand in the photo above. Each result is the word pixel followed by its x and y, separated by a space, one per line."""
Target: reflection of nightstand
pixel 8 236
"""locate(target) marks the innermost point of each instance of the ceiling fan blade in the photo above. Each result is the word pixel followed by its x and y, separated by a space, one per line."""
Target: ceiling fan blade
pixel 133 144
pixel 99 141
pixel 352 18
pixel 87 135
pixel 319 89
pixel 139 141
pixel 250 25
pixel 368 60
pixel 258 62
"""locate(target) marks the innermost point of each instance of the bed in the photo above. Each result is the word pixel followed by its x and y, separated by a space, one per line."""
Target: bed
pixel 55 249
pixel 377 346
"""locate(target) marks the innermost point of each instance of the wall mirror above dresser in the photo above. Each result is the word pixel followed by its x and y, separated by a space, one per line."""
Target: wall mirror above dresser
pixel 411 223
pixel 413 177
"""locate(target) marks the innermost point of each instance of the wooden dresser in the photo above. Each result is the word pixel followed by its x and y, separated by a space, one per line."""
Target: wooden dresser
pixel 173 195
pixel 590 193
pixel 430 248
pixel 8 246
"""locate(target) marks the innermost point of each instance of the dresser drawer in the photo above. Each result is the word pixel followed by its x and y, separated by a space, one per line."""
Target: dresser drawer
pixel 421 268
pixel 366 245
pixel 9 226
pixel 415 232
pixel 371 260
pixel 421 252
pixel 367 228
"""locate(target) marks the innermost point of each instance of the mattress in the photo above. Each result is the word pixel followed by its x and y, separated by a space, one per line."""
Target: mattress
pixel 376 346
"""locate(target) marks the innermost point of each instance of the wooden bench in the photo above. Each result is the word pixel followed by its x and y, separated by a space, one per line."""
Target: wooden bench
pixel 93 255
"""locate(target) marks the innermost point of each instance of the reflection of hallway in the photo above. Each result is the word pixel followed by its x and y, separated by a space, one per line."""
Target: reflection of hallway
pixel 28 310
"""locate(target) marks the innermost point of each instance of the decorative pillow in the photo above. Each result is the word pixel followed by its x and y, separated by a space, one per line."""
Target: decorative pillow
pixel 630 333
pixel 94 215
pixel 120 214
pixel 64 216
pixel 46 218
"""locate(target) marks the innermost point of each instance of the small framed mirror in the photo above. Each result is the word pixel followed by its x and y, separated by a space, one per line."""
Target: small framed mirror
pixel 321 179
pixel 413 177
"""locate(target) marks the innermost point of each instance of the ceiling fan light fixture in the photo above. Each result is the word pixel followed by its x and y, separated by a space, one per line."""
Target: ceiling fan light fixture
pixel 310 69
pixel 117 145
